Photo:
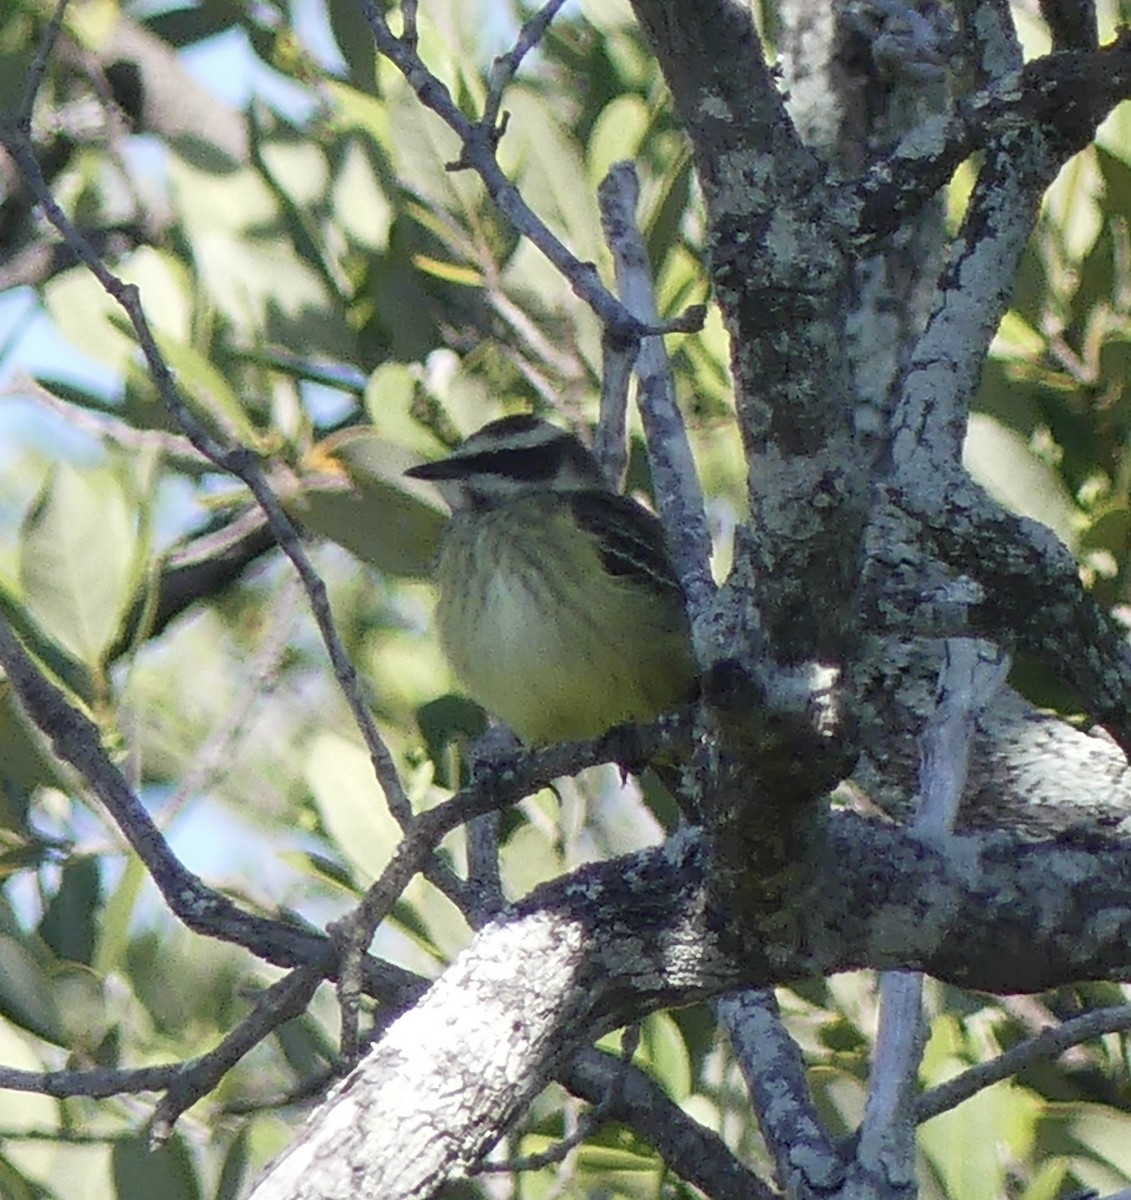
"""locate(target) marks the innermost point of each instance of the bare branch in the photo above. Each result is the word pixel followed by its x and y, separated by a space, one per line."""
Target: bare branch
pixel 1046 1046
pixel 494 786
pixel 1033 590
pixel 678 495
pixel 615 940
pixel 38 69
pixel 590 1121
pixel 483 877
pixel 506 65
pixel 286 998
pixel 479 154
pixel 774 1069
pixel 76 740
pixel 241 463
pixel 106 426
pixel 184 1082
pixel 1072 23
pixel 693 1152
pixel 1059 99
pixel 988 30
pixel 971 675
pixel 618 357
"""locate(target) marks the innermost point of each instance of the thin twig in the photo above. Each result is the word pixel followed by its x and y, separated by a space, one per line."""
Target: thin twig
pixel 106 425
pixel 286 998
pixel 618 358
pixel 241 463
pixel 483 877
pixel 774 1068
pixel 563 361
pixel 1050 1044
pixel 76 740
pixel 494 787
pixel 280 1002
pixel 409 31
pixel 38 69
pixel 695 1153
pixel 971 675
pixel 506 66
pixel 478 154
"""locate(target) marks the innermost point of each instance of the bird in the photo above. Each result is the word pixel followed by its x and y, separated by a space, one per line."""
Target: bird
pixel 559 608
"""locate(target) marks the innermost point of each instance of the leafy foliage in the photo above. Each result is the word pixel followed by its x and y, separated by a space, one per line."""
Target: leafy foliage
pixel 342 303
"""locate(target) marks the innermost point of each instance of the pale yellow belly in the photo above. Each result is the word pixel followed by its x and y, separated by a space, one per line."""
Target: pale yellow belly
pixel 558 651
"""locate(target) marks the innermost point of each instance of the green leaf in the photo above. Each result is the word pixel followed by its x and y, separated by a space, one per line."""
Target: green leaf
pixel 445 723
pixel 27 996
pixel 972 1146
pixel 22 1110
pixel 306 1046
pixel 665 225
pixel 1003 464
pixel 320 867
pixel 77 549
pixel 186 26
pixel 616 135
pixel 230 1186
pixel 254 277
pixel 69 925
pixel 357 820
pixel 1105 1134
pixel 210 393
pixel 547 160
pixel 82 1006
pixel 72 674
pixel 530 856
pixel 25 767
pixel 355 41
pixel 1116 174
pixel 360 204
pixel 96 324
pixel 351 805
pixel 449 272
pixel 361 501
pixel 143 1174
pixel 662 1052
pixel 113 930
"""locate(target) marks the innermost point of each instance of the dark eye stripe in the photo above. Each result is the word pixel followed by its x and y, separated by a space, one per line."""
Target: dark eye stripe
pixel 524 464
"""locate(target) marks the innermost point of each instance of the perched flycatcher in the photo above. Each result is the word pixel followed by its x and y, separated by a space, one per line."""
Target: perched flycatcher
pixel 559 608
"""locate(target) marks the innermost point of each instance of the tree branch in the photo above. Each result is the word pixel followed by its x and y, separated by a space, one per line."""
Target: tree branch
pixel 478 142
pixel 588 953
pixel 678 494
pixel 693 1152
pixel 774 1070
pixel 1062 98
pixel 971 675
pixel 1048 1045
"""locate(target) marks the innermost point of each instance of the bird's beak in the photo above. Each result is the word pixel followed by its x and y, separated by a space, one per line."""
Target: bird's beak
pixel 435 472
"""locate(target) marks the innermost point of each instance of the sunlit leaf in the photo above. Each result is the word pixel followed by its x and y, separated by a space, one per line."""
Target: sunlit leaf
pixel 77 549
pixel 351 804
pixel 1003 463
pixel 972 1146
